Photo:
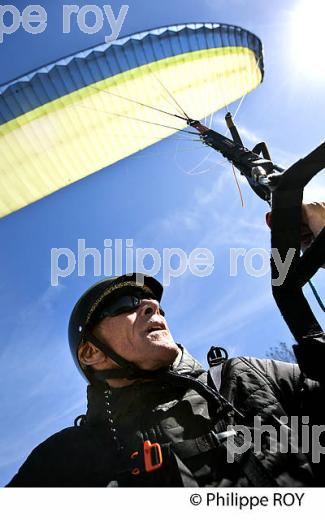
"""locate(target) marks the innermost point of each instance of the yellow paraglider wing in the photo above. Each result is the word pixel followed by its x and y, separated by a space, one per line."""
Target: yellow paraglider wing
pixel 71 118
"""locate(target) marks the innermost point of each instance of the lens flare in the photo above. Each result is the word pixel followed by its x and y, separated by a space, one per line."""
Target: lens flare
pixel 308 39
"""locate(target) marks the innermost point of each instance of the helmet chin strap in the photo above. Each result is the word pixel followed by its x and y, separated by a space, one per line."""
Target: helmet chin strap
pixel 128 369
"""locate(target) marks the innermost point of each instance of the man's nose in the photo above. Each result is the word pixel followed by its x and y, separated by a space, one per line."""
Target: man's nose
pixel 148 307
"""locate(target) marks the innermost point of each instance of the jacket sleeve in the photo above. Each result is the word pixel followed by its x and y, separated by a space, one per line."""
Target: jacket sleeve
pixel 254 384
pixel 37 470
pixel 56 462
pixel 73 457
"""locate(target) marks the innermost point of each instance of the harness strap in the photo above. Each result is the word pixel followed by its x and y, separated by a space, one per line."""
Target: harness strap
pixel 214 376
pixel 191 447
pixel 180 474
pixel 174 456
pixel 250 464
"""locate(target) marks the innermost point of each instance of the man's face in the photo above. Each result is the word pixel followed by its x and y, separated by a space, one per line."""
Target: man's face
pixel 140 336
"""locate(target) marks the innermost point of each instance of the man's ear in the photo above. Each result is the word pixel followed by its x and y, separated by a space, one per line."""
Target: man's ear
pixel 89 355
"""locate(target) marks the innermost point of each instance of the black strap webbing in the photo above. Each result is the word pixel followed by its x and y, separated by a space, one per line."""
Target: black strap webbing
pixel 128 369
pixel 286 234
pixel 192 447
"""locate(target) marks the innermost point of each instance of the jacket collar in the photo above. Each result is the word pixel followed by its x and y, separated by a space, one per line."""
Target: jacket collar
pixel 134 399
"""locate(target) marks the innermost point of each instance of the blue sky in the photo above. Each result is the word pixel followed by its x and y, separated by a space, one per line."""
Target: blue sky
pixel 174 194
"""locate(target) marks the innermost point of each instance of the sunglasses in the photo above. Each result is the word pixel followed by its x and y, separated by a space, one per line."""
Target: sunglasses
pixel 123 304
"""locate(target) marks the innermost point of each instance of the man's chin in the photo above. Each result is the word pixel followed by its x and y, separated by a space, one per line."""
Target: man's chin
pixel 160 340
pixel 163 352
pixel 160 336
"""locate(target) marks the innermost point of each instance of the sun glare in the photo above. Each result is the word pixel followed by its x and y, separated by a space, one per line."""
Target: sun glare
pixel 308 38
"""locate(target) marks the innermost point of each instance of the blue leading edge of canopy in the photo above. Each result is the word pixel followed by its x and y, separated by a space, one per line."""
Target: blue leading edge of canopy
pixel 97 63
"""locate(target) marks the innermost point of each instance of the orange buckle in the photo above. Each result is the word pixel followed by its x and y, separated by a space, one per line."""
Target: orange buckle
pixel 152 458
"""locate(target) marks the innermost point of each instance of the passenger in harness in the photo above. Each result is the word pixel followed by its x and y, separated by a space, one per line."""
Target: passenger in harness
pixel 155 417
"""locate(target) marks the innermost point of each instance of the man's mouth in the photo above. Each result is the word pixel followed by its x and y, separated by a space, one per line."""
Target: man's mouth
pixel 155 327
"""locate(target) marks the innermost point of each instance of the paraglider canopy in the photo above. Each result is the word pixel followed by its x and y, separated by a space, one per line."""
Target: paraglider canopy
pixel 82 113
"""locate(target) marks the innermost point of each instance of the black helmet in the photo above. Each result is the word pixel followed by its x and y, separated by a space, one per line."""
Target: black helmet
pixel 101 292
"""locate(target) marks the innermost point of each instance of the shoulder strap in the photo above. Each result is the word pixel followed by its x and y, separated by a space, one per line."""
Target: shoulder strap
pixel 252 467
pixel 216 358
pixel 214 376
